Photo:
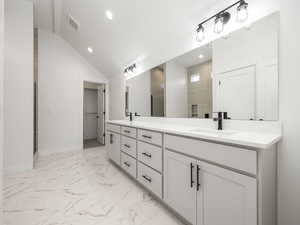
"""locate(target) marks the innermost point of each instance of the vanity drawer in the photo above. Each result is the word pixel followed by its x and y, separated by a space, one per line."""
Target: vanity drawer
pixel 150 179
pixel 150 137
pixel 128 145
pixel 150 155
pixel 128 164
pixel 113 127
pixel 129 131
pixel 229 156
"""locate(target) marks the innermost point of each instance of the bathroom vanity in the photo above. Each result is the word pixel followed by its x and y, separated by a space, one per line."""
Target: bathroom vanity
pixel 208 177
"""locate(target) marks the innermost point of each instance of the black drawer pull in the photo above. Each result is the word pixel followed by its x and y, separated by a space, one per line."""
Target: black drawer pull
pixel 127 131
pixel 111 138
pixel 147 178
pixel 146 136
pixel 127 146
pixel 127 164
pixel 192 181
pixel 147 154
pixel 198 178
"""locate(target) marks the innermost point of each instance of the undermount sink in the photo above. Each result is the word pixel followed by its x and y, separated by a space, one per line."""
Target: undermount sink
pixel 214 132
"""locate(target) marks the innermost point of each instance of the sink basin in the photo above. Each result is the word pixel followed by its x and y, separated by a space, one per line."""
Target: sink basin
pixel 214 132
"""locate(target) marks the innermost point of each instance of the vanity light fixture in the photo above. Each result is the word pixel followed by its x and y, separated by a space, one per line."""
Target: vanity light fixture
pixel 220 21
pixel 242 12
pixel 222 17
pixel 200 33
pixel 130 70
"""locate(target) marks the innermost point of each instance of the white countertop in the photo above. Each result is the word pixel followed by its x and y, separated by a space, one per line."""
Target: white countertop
pixel 259 140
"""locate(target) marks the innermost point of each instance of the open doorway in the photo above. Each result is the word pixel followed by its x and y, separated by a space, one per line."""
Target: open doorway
pixel 93 115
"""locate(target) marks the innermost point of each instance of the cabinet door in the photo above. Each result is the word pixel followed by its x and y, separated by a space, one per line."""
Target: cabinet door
pixel 114 143
pixel 180 184
pixel 225 197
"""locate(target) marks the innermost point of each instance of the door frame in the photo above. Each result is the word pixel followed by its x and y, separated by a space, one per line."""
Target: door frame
pixel 104 104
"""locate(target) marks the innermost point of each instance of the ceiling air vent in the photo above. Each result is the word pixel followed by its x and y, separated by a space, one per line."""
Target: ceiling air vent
pixel 73 23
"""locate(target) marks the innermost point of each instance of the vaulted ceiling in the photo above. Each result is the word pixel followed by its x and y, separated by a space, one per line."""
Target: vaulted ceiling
pixel 148 32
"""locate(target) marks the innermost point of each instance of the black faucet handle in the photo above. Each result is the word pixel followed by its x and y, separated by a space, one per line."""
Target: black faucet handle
pixel 136 114
pixel 225 116
pixel 220 115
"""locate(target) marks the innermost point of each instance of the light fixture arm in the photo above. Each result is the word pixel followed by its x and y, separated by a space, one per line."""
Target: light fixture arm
pixel 222 11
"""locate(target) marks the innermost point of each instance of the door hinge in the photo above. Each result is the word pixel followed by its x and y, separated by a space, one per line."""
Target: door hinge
pixel 103 134
pixel 104 91
pixel 103 113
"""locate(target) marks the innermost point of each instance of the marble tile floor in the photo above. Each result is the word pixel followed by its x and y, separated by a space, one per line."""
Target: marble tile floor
pixel 79 188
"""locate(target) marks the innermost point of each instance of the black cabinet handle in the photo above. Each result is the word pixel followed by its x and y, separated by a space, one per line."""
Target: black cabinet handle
pixel 192 168
pixel 127 131
pixel 111 138
pixel 147 178
pixel 198 179
pixel 146 154
pixel 127 164
pixel 127 146
pixel 146 136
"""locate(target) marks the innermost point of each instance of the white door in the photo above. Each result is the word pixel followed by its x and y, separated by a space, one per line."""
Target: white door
pixel 101 114
pixel 114 146
pixel 180 184
pixel 90 114
pixel 235 93
pixel 225 197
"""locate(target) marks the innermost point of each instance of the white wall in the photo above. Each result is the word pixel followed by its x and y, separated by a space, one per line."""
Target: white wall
pixel 18 86
pixel 1 101
pixel 62 72
pixel 140 94
pixel 117 97
pixel 289 105
pixel 176 90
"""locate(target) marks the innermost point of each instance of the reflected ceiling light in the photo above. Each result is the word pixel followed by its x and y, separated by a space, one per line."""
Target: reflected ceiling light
pixel 109 14
pixel 242 12
pixel 222 17
pixel 90 50
pixel 201 56
pixel 200 33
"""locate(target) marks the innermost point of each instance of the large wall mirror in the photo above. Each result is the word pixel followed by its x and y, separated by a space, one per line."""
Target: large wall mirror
pixel 237 74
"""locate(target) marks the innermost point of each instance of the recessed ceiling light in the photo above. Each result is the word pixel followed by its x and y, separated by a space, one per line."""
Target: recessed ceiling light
pixel 109 14
pixel 201 56
pixel 90 49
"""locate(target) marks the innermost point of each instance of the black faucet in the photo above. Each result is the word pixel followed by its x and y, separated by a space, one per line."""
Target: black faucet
pixel 130 116
pixel 220 120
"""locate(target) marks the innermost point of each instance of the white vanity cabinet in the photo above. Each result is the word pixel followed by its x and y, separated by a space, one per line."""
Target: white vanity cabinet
pixel 205 194
pixel 203 181
pixel 225 197
pixel 114 144
pixel 180 184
